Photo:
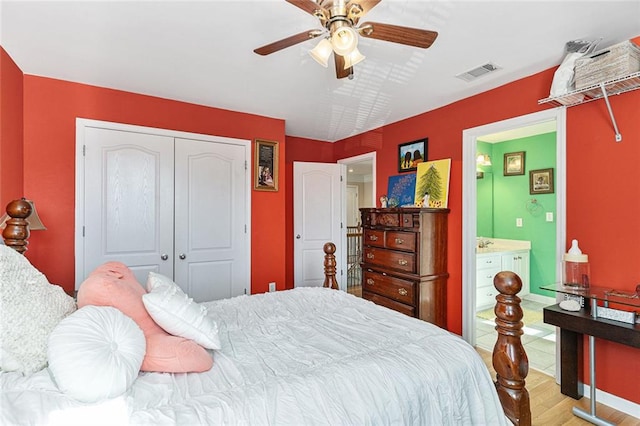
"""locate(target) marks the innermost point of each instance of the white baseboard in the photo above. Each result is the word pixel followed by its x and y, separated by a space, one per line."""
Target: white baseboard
pixel 615 402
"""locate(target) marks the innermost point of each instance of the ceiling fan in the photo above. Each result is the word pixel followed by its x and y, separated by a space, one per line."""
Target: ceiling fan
pixel 340 20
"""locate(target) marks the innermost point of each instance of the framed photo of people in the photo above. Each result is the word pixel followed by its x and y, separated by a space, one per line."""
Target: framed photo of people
pixel 411 154
pixel 266 166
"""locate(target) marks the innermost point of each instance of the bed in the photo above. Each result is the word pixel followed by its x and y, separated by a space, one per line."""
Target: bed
pixel 302 356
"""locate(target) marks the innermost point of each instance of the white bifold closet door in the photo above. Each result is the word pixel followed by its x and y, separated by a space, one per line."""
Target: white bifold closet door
pixel 171 205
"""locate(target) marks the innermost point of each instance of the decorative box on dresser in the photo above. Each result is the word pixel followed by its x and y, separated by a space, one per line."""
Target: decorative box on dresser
pixel 404 261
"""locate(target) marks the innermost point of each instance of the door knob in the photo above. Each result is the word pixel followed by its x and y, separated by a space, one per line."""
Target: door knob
pixel 164 256
pixel 298 237
pixel 182 256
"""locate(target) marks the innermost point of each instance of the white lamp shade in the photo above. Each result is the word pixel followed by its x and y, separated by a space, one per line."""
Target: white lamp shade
pixel 354 58
pixel 483 160
pixel 344 40
pixel 321 52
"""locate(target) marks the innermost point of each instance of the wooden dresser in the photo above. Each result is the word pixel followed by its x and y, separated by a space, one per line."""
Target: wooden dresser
pixel 404 261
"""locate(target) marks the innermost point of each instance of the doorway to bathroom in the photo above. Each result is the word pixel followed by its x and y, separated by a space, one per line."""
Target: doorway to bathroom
pixel 520 228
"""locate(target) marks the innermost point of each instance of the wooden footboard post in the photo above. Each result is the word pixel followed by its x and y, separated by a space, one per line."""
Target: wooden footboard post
pixel 509 358
pixel 330 266
pixel 16 232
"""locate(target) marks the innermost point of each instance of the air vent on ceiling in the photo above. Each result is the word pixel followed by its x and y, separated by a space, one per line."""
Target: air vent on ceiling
pixel 478 72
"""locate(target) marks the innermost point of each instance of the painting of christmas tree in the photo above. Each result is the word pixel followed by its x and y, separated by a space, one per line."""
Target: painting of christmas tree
pixel 432 178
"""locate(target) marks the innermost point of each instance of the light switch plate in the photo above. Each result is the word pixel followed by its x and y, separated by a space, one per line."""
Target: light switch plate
pixel 549 216
pixel 519 222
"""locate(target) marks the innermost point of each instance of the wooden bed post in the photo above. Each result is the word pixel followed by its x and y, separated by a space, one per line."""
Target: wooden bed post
pixel 330 266
pixel 509 358
pixel 16 232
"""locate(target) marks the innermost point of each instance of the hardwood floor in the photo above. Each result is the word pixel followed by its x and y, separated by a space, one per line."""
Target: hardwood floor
pixel 550 407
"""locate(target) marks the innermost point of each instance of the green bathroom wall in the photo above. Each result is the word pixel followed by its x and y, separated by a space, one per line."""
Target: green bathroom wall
pixel 484 212
pixel 511 200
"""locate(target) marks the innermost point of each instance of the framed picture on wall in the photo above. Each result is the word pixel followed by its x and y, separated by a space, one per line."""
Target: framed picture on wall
pixel 541 181
pixel 411 154
pixel 266 166
pixel 514 163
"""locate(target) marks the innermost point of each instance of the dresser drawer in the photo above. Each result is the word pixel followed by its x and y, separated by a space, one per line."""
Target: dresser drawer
pixel 373 237
pixel 385 219
pixel 485 297
pixel 401 240
pixel 406 220
pixel 483 262
pixel 389 303
pixel 405 262
pixel 389 286
pixel 484 277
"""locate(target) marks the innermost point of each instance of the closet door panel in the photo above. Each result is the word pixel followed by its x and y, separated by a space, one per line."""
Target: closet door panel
pixel 210 235
pixel 128 201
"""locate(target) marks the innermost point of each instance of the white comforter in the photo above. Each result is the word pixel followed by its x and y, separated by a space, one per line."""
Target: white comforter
pixel 298 357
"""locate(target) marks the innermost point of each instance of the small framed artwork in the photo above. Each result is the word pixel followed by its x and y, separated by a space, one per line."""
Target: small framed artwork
pixel 411 154
pixel 541 181
pixel 513 163
pixel 266 166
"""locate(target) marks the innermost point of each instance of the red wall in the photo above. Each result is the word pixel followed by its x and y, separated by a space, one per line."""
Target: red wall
pixel 50 110
pixel 603 187
pixel 11 161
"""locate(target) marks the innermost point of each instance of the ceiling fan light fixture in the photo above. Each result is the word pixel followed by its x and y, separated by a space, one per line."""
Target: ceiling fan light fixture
pixel 322 52
pixel 344 40
pixel 353 58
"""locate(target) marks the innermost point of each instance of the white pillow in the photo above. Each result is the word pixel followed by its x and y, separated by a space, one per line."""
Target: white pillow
pixel 30 308
pixel 96 353
pixel 178 314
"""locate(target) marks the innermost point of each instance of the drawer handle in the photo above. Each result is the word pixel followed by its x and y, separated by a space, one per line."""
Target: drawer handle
pixel 402 291
pixel 370 255
pixel 402 262
pixel 489 261
pixel 399 241
pixel 370 281
pixel 489 276
pixel 373 237
pixel 406 220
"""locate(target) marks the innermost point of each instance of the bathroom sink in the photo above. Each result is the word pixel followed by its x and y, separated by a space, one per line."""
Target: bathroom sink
pixel 489 249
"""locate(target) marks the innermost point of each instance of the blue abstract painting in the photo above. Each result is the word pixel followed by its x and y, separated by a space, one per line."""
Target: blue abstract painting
pixel 401 190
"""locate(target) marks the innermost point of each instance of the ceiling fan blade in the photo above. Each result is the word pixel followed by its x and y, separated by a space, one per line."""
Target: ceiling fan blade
pixel 357 9
pixel 397 34
pixel 312 8
pixel 287 42
pixel 340 71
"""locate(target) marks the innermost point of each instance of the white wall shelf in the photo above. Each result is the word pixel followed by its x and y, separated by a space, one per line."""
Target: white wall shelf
pixel 595 92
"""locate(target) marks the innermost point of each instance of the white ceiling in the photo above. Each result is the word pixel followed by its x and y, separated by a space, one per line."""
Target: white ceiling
pixel 202 52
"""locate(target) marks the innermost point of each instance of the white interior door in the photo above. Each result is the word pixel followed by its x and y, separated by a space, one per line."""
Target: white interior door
pixel 318 216
pixel 128 202
pixel 210 234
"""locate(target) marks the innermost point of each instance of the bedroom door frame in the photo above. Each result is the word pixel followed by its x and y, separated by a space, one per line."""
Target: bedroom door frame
pixel 469 203
pixel 79 241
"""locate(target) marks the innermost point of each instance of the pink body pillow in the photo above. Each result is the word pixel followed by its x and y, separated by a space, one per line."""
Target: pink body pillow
pixel 113 284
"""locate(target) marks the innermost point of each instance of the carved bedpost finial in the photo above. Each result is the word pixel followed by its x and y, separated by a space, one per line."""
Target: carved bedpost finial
pixel 16 232
pixel 330 266
pixel 509 358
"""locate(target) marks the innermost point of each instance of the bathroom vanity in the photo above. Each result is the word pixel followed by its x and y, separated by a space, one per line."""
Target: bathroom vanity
pixel 499 255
